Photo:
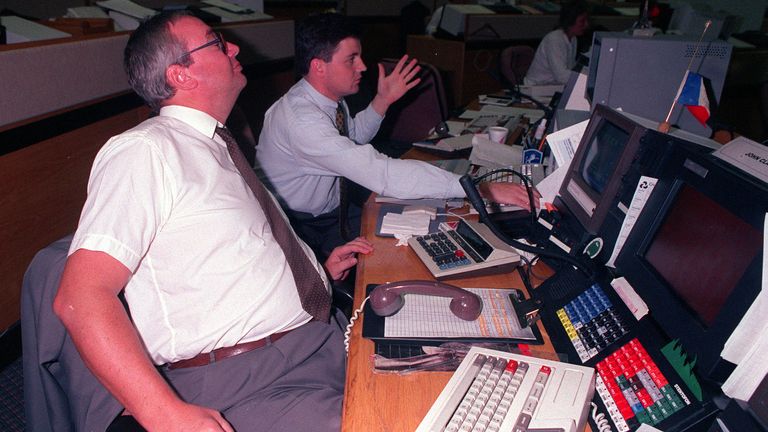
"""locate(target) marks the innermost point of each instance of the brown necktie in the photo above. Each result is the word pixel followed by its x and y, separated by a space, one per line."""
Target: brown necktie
pixel 312 291
pixel 341 125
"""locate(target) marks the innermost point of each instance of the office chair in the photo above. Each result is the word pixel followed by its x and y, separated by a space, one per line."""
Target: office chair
pixel 420 110
pixel 59 390
pixel 514 62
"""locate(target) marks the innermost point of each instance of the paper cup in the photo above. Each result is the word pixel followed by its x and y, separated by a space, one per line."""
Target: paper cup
pixel 498 134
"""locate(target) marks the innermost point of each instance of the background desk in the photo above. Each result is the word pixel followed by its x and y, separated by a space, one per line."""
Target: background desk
pixel 391 402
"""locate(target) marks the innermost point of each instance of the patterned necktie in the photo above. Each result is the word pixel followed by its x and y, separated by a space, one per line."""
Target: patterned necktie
pixel 341 125
pixel 312 291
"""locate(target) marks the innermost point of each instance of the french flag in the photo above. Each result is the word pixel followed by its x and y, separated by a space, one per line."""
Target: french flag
pixel 693 95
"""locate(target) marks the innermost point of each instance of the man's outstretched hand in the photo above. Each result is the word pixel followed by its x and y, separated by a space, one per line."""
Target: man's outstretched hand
pixel 393 86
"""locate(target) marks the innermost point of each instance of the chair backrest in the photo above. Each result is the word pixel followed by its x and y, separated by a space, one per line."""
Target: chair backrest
pixel 514 62
pixel 60 392
pixel 413 116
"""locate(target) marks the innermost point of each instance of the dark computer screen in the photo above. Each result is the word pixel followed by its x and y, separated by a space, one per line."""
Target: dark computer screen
pixel 702 250
pixel 602 155
pixel 695 253
pixel 605 151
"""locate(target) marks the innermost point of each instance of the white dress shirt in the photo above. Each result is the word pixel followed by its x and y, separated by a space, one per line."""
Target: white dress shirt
pixel 301 154
pixel 553 61
pixel 165 199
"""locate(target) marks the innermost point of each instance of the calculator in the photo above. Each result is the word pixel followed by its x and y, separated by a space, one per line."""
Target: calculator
pixel 463 248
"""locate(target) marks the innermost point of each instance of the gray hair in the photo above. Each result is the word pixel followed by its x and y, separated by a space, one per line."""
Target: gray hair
pixel 151 49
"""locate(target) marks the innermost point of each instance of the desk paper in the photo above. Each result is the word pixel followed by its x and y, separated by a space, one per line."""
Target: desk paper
pixel 549 186
pixel 748 345
pixel 564 142
pixel 227 16
pixel 643 191
pixel 127 7
pixel 747 155
pixel 492 154
pixel 430 317
pixel 532 114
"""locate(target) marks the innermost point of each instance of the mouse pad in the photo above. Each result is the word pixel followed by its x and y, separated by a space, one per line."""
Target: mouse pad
pixel 373 327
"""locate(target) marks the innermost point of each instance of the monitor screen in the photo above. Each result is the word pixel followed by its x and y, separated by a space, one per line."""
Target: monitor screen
pixel 605 151
pixel 694 254
pixel 602 155
pixel 702 250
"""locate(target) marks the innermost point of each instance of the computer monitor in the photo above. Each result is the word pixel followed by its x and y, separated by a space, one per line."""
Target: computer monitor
pixel 690 20
pixel 642 75
pixel 615 150
pixel 695 254
pixel 607 147
pixel 454 17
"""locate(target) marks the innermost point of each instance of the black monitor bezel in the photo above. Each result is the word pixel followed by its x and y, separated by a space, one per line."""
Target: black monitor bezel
pixel 729 188
pixel 573 184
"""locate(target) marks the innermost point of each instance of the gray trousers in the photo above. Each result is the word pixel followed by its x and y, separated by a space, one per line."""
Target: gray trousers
pixel 295 384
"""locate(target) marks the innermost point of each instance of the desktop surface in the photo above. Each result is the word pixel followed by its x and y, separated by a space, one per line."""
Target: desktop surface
pixel 392 402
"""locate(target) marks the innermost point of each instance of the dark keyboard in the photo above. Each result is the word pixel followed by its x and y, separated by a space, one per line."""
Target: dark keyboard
pixel 591 322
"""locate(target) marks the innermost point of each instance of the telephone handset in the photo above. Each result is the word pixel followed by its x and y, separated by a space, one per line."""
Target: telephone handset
pixel 386 299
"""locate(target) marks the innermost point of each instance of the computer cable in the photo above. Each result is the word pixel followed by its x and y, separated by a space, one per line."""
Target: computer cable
pixel 540 105
pixel 468 183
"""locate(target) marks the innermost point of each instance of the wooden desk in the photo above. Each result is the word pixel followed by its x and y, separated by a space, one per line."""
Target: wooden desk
pixel 390 402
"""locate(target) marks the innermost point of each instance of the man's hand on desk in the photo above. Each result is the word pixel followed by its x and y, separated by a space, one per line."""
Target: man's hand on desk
pixel 344 257
pixel 508 193
pixel 393 86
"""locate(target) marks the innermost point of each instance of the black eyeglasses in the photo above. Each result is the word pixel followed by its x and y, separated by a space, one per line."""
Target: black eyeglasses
pixel 218 40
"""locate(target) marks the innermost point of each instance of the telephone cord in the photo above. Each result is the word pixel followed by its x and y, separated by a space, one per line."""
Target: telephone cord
pixel 352 320
pixel 602 423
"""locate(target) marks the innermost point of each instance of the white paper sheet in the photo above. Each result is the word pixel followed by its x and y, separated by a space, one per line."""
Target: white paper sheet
pixel 492 154
pixel 564 142
pixel 429 317
pixel 642 192
pixel 748 345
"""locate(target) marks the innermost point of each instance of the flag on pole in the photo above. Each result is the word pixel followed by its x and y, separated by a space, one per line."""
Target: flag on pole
pixel 693 95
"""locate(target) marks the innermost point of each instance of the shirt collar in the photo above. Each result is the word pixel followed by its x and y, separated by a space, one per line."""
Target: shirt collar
pixel 321 99
pixel 203 122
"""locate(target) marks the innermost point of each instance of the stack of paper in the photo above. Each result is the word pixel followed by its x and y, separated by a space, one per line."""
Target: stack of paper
pixel 21 30
pixel 230 12
pixel 492 154
pixel 126 14
pixel 452 144
pixel 405 224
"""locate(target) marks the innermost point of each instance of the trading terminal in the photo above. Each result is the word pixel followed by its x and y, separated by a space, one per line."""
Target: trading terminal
pixel 654 335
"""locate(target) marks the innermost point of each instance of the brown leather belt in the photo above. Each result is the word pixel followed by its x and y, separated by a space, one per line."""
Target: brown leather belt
pixel 220 354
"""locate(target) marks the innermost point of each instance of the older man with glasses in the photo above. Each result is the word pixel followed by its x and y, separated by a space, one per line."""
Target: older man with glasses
pixel 230 322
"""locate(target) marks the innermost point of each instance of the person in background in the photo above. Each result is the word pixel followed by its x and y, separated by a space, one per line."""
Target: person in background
pixel 230 325
pixel 556 54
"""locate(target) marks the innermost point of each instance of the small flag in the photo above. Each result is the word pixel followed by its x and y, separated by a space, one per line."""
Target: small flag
pixel 693 96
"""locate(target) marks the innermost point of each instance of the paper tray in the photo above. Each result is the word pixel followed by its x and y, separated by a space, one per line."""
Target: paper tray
pixel 373 328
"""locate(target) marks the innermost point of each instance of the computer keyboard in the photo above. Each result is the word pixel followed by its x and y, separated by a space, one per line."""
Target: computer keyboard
pixel 499 391
pixel 634 390
pixel 591 322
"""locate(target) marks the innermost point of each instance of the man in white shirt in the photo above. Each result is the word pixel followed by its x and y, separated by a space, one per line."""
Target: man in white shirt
pixel 556 53
pixel 303 155
pixel 217 336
